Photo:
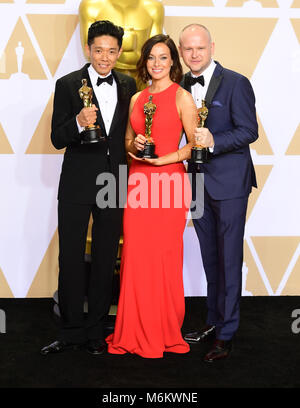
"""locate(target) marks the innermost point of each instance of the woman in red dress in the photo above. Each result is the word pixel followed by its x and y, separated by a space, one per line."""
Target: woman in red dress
pixel 151 303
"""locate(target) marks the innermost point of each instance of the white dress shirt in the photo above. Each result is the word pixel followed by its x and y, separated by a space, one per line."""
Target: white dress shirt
pixel 199 91
pixel 106 95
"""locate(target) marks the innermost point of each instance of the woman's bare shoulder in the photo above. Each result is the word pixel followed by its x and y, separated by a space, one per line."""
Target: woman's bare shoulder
pixel 184 96
pixel 184 99
pixel 135 96
pixel 134 99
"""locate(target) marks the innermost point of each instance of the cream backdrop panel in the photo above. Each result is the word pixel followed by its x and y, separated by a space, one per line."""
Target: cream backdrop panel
pixel 40 42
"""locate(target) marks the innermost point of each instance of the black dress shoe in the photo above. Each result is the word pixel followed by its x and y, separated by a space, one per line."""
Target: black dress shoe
pixel 206 333
pixel 58 347
pixel 220 350
pixel 96 347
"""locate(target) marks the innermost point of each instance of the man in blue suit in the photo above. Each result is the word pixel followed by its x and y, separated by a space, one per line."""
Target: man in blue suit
pixel 229 175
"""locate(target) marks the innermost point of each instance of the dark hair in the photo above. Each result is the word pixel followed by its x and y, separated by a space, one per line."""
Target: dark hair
pixel 105 27
pixel 176 69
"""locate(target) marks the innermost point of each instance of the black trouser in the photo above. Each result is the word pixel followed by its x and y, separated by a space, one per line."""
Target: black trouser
pixel 73 222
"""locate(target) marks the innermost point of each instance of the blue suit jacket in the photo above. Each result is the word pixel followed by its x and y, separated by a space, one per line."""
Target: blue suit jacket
pixel 232 121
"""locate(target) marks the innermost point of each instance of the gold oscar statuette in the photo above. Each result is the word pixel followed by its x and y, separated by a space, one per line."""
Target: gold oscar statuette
pixel 91 133
pixel 199 153
pixel 149 147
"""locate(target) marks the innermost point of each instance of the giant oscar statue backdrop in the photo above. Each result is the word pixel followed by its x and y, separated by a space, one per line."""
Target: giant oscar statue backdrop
pixel 140 19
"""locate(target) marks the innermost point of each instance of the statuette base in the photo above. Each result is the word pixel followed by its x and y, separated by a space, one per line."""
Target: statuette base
pixel 92 135
pixel 148 152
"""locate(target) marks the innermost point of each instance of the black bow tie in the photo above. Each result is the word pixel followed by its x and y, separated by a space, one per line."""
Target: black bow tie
pixel 193 80
pixel 108 79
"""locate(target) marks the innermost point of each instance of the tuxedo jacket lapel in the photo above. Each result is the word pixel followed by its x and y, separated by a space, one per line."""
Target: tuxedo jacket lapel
pixel 214 84
pixel 186 84
pixel 121 89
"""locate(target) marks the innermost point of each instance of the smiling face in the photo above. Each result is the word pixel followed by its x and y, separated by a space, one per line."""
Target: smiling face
pixel 196 49
pixel 159 61
pixel 103 53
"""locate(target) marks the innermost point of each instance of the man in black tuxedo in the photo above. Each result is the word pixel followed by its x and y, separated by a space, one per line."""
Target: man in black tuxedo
pixel 229 176
pixel 78 190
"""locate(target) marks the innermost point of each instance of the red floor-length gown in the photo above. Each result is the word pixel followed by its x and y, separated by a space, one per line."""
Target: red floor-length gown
pixel 151 303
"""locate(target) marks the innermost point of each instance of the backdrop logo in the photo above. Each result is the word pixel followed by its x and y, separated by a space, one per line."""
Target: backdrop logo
pixel 2 321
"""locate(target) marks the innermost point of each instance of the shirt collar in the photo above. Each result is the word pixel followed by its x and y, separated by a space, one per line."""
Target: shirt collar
pixel 207 73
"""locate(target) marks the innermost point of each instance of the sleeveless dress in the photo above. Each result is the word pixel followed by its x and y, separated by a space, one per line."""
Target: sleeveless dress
pixel 151 303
